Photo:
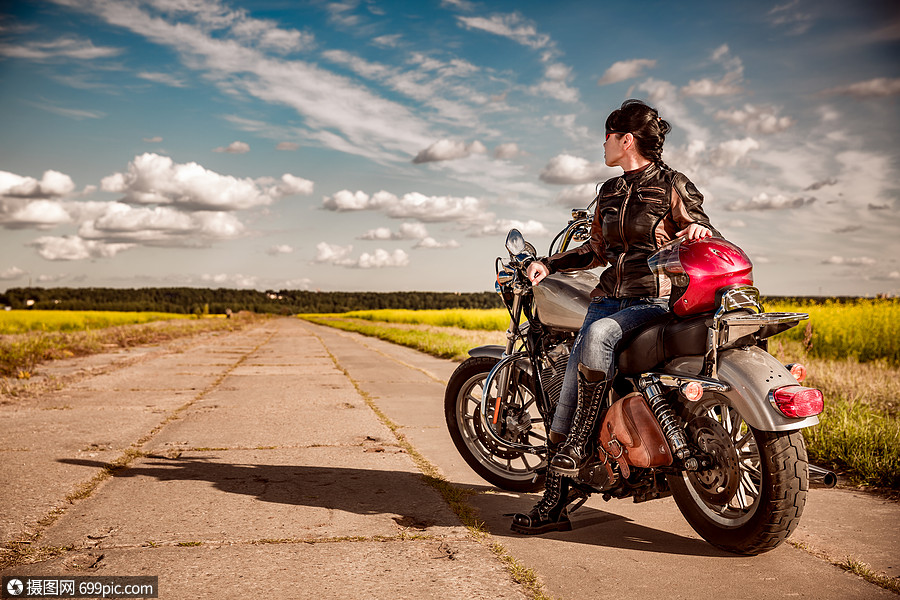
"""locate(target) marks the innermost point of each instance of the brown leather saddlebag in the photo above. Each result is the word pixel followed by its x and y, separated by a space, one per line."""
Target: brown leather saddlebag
pixel 631 435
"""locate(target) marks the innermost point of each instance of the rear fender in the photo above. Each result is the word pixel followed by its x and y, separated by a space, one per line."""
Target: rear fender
pixel 751 373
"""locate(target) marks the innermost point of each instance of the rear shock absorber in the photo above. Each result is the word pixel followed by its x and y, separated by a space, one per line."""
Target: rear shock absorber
pixel 674 433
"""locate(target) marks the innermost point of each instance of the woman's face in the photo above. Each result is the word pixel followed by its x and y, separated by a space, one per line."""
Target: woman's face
pixel 614 149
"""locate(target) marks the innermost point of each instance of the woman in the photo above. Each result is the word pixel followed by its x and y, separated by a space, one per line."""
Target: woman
pixel 636 213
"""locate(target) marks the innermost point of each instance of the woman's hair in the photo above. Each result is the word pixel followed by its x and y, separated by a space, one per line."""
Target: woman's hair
pixel 644 123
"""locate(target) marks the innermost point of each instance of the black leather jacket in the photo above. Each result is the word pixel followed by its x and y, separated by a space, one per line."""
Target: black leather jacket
pixel 636 214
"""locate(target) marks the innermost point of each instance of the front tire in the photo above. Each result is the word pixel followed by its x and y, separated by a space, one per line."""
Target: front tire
pixel 509 470
pixel 751 500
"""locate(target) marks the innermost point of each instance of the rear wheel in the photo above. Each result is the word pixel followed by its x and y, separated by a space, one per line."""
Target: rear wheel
pixel 517 420
pixel 751 499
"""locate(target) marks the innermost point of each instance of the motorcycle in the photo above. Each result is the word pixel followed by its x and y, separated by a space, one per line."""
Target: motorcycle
pixel 698 410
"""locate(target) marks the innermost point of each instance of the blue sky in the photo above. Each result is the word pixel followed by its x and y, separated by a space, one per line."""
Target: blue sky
pixel 380 145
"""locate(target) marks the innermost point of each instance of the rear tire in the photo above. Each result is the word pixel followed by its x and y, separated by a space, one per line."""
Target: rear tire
pixel 751 501
pixel 508 470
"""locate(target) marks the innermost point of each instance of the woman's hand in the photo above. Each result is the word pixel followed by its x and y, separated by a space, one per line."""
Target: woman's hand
pixel 536 272
pixel 695 231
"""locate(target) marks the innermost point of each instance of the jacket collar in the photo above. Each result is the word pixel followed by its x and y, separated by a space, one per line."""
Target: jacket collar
pixel 641 175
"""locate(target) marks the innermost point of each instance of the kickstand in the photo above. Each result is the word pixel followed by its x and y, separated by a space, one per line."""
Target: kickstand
pixel 579 503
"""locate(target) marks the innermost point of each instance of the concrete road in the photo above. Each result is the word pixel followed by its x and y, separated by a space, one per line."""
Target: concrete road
pixel 257 468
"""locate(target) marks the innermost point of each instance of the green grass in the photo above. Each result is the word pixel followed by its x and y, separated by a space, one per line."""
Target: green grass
pixel 451 343
pixel 496 319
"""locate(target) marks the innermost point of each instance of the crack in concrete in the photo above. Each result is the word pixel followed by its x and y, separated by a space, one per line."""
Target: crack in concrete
pixel 17 552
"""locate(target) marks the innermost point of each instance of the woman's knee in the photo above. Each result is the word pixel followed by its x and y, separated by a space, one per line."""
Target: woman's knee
pixel 605 332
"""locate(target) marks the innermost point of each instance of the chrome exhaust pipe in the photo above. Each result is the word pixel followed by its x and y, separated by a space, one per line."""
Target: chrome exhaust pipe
pixel 821 476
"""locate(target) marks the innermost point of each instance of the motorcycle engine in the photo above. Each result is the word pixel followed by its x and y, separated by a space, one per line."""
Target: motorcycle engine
pixel 554 371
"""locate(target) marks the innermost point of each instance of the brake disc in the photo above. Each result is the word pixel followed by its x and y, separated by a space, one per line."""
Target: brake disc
pixel 493 447
pixel 719 483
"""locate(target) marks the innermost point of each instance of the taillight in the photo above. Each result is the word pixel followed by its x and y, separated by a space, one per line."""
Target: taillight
pixel 797 402
pixel 798 371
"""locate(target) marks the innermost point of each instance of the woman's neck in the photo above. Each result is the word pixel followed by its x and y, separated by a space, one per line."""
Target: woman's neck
pixel 632 164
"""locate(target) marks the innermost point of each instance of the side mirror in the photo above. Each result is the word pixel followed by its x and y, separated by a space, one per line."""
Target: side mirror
pixel 515 242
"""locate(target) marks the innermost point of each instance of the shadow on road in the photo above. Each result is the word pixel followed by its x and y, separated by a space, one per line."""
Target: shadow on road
pixel 596 528
pixel 373 491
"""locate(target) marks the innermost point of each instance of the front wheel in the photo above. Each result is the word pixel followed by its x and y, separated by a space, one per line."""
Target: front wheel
pixel 516 420
pixel 751 499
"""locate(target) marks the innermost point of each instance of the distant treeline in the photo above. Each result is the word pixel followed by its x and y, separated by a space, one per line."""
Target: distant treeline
pixel 187 300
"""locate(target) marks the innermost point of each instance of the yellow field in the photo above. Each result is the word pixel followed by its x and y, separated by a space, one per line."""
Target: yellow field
pixel 495 319
pixel 23 321
pixel 865 329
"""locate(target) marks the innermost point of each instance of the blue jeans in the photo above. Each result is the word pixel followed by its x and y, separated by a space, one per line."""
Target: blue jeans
pixel 606 323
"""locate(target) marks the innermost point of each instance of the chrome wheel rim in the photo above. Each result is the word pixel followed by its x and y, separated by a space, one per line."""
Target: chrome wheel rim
pixel 729 493
pixel 517 421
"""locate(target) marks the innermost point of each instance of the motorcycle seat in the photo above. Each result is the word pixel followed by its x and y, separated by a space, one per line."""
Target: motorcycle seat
pixel 660 340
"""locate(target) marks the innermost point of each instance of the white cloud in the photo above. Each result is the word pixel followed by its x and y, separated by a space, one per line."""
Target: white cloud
pixel 65 47
pixel 231 280
pixel 53 184
pixel 727 85
pixel 625 69
pixel 36 214
pixel 155 179
pixel 331 253
pixel 280 249
pixel 502 227
pixel 872 88
pixel 160 226
pixel 387 41
pixel 513 26
pixel 577 196
pixel 410 206
pixel 337 112
pixel 234 148
pixel 507 151
pixel 340 256
pixel 731 152
pixel 566 169
pixel 709 87
pixel 566 123
pixel 756 119
pixel 791 16
pixel 448 150
pixel 153 140
pixel 70 113
pixel 72 247
pixel 407 231
pixel 430 243
pixel 11 274
pixel 164 78
pixel 764 201
pixel 856 261
pixel 555 84
pixel 291 185
pixel 289 146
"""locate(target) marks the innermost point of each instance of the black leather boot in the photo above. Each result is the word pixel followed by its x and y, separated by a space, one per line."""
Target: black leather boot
pixel 592 387
pixel 549 514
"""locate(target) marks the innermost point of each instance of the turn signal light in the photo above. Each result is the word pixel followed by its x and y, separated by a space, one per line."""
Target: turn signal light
pixel 797 402
pixel 798 371
pixel 692 390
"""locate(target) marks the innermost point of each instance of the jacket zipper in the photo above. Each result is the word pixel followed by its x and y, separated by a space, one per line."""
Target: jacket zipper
pixel 621 259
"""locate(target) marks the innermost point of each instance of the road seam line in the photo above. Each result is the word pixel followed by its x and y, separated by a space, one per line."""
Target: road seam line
pixel 455 496
pixel 348 335
pixel 17 552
